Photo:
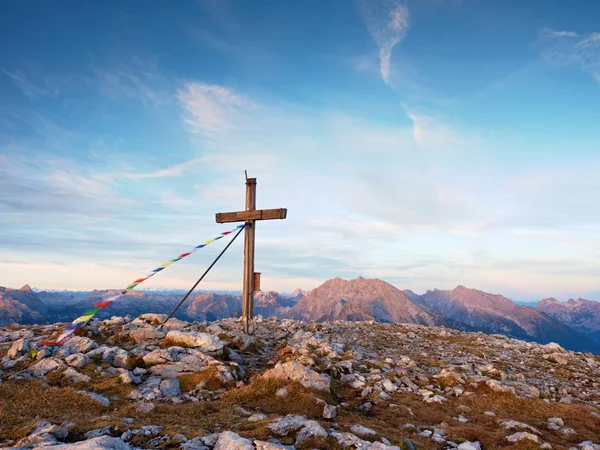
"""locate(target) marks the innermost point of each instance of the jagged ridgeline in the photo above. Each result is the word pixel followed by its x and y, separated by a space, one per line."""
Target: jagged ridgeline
pixel 574 325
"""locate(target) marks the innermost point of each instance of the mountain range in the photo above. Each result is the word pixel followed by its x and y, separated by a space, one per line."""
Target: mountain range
pixel 574 324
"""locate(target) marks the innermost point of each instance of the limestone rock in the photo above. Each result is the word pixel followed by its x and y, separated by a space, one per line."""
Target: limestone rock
pixel 311 429
pixel 559 358
pixel 361 430
pixel 329 412
pixel 79 344
pixel 294 371
pixel 44 366
pixel 170 387
pixel 232 441
pixel 256 418
pixel 18 348
pixel 77 360
pixel 204 341
pixel 99 443
pixel 555 423
pixel 552 347
pixel 149 318
pixel 286 425
pixel 74 376
pixel 145 334
pixel 521 435
pixel 348 440
pixel 128 377
pixel 97 397
pixel 467 445
pixel 264 445
pixel 44 434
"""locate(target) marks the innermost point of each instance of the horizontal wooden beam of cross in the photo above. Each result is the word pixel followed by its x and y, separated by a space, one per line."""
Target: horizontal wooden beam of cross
pixel 257 214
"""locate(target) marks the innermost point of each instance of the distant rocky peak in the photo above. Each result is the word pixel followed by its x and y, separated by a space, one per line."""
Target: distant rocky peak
pixel 299 292
pixel 26 288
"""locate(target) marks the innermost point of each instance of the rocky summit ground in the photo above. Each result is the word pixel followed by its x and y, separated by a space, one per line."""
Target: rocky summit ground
pixel 136 383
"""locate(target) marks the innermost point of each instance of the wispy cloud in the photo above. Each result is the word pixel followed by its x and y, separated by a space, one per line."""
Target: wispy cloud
pixel 30 88
pixel 173 171
pixel 388 22
pixel 566 48
pixel 430 132
pixel 214 110
pixel 135 78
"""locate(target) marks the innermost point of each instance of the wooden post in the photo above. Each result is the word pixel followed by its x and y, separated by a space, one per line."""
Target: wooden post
pixel 248 286
pixel 250 215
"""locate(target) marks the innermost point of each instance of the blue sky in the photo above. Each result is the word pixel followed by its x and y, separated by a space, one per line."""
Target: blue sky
pixel 428 143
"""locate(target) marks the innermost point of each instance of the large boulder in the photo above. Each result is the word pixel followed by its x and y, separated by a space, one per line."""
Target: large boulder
pixel 203 341
pixel 294 371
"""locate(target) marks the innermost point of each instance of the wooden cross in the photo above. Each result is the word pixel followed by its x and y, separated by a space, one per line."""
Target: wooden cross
pixel 250 216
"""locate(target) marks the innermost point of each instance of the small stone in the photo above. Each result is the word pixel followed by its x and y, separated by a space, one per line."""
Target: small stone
pixel 74 376
pixel 329 412
pixel 145 407
pixel 97 397
pixel 138 371
pixel 264 445
pixel 521 436
pixel 311 429
pixel 77 360
pixel 170 387
pixel 467 445
pixel 361 430
pixel 388 386
pixel 256 418
pixel 129 378
pixel 294 371
pixel 98 432
pixel 555 423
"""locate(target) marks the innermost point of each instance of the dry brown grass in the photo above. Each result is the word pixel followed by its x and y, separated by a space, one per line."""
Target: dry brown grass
pixel 169 342
pixel 24 403
pixel 531 411
pixel 210 376
pixel 260 395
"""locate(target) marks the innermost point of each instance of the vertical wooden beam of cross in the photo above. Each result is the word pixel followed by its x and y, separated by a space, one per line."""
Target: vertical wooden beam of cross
pixel 251 280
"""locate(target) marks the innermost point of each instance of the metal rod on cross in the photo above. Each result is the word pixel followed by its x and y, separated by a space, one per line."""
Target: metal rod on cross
pixel 251 280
